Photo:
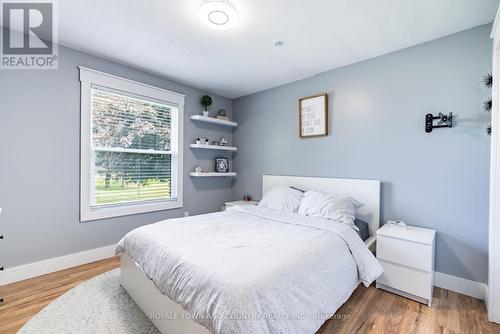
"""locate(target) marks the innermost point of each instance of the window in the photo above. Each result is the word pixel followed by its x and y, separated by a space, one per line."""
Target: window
pixel 131 147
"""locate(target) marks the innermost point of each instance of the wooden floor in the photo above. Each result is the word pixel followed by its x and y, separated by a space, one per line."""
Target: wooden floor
pixel 22 300
pixel 367 311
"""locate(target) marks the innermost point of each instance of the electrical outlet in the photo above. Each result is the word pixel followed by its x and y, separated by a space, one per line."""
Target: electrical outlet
pixel 186 214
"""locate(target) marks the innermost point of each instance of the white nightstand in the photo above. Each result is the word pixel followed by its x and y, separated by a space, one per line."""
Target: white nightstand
pixel 407 256
pixel 234 203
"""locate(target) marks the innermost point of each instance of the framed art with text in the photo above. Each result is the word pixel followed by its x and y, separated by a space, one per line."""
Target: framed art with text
pixel 313 116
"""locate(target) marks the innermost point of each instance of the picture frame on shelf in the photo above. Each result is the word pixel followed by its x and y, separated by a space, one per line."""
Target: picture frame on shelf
pixel 221 165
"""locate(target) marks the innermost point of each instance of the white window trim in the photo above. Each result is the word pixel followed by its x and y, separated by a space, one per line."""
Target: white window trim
pixel 89 77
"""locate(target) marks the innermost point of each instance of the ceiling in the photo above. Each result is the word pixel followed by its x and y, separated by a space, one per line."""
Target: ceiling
pixel 165 37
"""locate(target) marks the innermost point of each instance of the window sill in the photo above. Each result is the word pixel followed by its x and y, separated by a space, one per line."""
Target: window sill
pixel 89 214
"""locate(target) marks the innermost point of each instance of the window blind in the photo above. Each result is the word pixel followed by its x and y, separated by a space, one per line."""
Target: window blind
pixel 131 148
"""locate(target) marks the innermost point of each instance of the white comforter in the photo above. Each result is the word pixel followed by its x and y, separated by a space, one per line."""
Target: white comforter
pixel 253 270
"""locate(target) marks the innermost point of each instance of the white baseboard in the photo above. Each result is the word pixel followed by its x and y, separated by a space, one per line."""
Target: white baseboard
pixel 15 274
pixel 460 285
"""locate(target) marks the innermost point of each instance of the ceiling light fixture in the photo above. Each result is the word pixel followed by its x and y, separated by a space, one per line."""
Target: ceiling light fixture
pixel 218 14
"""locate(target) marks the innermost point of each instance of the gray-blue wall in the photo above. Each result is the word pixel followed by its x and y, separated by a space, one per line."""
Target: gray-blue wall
pixel 39 162
pixel 377 109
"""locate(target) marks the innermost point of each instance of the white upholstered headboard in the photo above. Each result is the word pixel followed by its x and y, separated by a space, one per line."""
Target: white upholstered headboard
pixel 365 191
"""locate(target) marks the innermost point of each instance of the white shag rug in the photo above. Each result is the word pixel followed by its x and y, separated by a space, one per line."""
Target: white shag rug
pixel 99 305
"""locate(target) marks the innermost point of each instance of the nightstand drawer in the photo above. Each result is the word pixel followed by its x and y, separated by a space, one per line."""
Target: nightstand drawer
pixel 416 282
pixel 407 253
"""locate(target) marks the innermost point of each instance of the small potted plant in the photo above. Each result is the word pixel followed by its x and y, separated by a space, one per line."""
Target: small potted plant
pixel 206 101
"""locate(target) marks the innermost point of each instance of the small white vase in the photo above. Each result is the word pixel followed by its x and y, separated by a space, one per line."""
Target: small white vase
pixel 205 113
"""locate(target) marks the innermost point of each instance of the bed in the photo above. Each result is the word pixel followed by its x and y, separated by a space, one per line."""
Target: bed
pixel 251 269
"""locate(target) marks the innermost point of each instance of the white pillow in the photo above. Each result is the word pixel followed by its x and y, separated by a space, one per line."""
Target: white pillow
pixel 282 198
pixel 335 207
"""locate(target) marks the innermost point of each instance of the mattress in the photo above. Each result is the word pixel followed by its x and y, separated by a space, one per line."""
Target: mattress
pixel 253 270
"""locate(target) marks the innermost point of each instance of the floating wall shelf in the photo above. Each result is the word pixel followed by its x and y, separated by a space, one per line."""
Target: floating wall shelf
pixel 213 147
pixel 206 119
pixel 212 174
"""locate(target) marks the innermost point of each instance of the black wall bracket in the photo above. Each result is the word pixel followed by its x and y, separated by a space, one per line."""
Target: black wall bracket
pixel 444 121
